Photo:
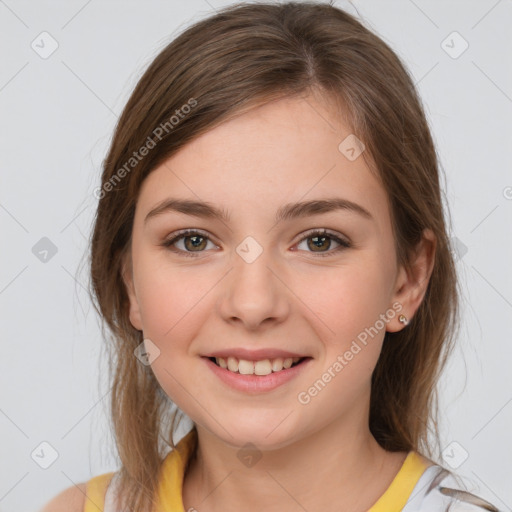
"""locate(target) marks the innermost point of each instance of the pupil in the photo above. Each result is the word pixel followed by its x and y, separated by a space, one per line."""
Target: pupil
pixel 195 243
pixel 317 238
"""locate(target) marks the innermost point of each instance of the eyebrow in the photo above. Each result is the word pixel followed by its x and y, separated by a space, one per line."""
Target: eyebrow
pixel 286 212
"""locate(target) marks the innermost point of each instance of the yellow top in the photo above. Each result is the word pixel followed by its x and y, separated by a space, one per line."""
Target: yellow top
pixel 173 469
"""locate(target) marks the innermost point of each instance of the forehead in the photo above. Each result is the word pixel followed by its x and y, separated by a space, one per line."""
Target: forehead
pixel 289 149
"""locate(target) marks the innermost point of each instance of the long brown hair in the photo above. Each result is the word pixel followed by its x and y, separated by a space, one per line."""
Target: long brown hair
pixel 242 56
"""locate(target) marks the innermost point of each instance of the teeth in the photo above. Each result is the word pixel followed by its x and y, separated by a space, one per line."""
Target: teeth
pixel 245 367
pixel 277 364
pixel 232 364
pixel 263 367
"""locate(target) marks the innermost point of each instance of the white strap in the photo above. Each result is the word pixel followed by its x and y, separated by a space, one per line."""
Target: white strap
pixel 438 491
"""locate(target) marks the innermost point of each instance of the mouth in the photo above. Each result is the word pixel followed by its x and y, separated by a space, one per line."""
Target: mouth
pixel 260 368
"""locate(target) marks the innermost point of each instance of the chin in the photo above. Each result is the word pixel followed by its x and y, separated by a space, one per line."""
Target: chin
pixel 265 433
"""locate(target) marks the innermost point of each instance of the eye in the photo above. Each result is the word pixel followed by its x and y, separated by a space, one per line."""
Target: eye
pixel 193 240
pixel 196 242
pixel 321 239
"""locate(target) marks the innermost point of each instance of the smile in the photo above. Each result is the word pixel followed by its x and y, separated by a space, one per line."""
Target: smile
pixel 242 375
pixel 262 367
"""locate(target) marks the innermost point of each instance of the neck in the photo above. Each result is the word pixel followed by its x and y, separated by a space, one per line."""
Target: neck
pixel 340 464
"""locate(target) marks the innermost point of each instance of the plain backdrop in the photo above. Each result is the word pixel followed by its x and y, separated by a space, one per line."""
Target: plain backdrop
pixel 67 71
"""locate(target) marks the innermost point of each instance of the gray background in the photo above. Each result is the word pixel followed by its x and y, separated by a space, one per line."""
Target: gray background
pixel 57 118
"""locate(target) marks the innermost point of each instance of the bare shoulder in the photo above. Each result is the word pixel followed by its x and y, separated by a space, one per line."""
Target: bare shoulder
pixel 71 499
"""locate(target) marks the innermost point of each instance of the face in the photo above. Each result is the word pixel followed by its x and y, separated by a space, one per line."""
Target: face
pixel 260 281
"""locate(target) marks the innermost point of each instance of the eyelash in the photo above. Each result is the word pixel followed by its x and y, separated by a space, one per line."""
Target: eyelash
pixel 319 232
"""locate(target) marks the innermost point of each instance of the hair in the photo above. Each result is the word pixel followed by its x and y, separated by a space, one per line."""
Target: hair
pixel 241 57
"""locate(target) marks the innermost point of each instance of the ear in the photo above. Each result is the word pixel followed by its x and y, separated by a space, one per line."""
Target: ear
pixel 127 276
pixel 411 284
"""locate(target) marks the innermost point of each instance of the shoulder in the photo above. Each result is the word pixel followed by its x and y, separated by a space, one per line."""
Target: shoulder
pixel 440 490
pixel 83 497
pixel 71 499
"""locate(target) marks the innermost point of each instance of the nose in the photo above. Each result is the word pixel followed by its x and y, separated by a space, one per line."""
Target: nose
pixel 254 293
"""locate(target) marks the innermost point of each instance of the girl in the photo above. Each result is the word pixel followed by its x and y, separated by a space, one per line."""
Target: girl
pixel 271 256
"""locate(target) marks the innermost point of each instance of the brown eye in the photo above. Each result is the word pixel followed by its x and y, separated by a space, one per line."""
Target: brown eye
pixel 318 242
pixel 193 242
pixel 321 241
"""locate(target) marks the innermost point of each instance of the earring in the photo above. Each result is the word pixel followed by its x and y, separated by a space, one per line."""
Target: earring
pixel 403 319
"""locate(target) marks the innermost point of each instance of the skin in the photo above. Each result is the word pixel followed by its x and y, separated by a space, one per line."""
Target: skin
pixel 315 456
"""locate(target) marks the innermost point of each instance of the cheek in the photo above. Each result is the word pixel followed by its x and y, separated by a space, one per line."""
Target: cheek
pixel 346 299
pixel 169 297
pixel 347 308
pixel 347 303
pixel 173 304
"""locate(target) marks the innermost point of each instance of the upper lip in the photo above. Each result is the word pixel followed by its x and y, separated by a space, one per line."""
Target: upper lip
pixel 253 355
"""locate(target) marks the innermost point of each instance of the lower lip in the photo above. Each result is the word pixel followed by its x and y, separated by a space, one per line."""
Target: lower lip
pixel 256 383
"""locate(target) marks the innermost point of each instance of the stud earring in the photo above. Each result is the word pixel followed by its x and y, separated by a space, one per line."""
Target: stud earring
pixel 403 319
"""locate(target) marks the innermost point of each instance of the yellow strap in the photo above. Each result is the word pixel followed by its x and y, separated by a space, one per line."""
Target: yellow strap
pixel 170 496
pixel 398 493
pixel 95 491
pixel 171 480
pixel 394 498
